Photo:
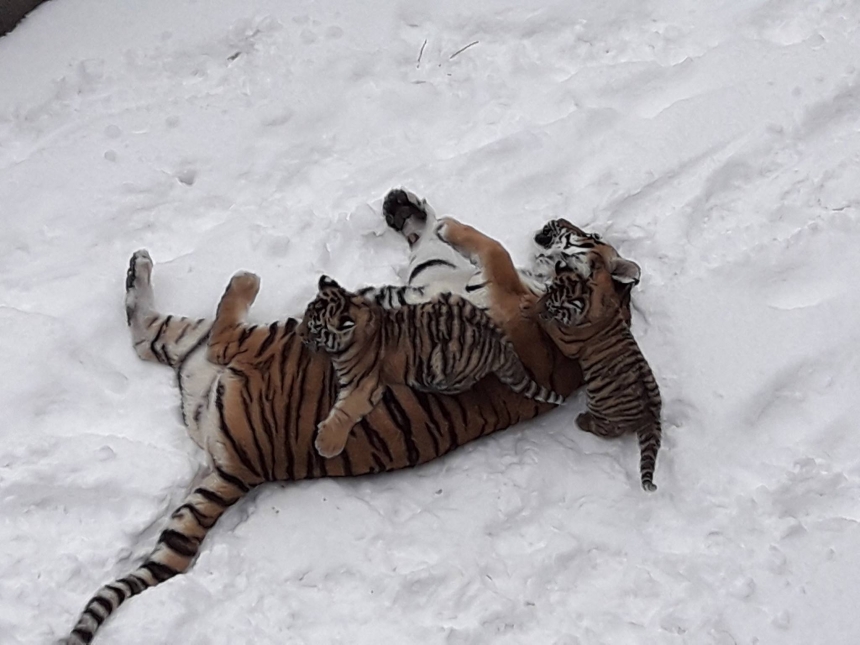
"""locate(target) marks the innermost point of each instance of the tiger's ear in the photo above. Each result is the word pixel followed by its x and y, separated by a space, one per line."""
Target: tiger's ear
pixel 327 283
pixel 562 267
pixel 625 271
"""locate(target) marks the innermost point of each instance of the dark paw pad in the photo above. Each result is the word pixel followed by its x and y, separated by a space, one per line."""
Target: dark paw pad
pixel 399 206
pixel 131 274
pixel 139 259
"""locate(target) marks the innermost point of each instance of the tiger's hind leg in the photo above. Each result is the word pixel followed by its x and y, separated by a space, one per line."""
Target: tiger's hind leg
pixel 157 337
pixel 228 329
pixel 172 340
pixel 140 303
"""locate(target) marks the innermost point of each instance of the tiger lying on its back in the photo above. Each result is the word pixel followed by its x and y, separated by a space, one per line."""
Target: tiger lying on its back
pixel 446 345
pixel 583 314
pixel 256 416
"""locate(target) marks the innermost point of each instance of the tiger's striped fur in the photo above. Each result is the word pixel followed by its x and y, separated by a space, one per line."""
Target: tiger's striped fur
pixel 255 411
pixel 437 267
pixel 445 345
pixel 583 314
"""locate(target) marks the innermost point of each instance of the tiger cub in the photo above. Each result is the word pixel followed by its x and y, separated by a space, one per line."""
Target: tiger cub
pixel 583 314
pixel 445 345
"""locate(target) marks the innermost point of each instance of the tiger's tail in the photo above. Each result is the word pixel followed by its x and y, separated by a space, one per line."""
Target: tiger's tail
pixel 514 375
pixel 176 548
pixel 649 444
pixel 532 390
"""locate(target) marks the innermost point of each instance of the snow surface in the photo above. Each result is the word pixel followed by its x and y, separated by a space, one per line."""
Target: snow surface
pixel 716 143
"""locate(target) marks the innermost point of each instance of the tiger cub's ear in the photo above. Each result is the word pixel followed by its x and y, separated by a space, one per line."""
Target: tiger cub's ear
pixel 327 283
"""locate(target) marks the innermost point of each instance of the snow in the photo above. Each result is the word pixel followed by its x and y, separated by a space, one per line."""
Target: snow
pixel 715 143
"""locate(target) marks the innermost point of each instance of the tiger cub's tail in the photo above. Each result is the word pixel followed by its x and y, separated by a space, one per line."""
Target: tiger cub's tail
pixel 513 374
pixel 649 445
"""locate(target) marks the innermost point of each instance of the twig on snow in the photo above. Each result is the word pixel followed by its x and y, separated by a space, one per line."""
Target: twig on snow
pixel 420 54
pixel 460 51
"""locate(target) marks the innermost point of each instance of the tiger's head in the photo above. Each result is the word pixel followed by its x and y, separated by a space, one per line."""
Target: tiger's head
pixel 582 297
pixel 332 320
pixel 561 243
pixel 559 235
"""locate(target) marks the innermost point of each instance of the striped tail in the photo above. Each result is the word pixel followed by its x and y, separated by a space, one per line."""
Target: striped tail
pixel 649 444
pixel 176 548
pixel 533 390
pixel 514 375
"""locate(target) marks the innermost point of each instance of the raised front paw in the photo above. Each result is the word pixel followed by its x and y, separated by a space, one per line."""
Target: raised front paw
pixel 245 285
pixel 450 231
pixel 331 440
pixel 529 306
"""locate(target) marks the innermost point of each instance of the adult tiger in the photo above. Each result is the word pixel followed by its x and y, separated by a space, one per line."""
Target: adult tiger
pixel 257 420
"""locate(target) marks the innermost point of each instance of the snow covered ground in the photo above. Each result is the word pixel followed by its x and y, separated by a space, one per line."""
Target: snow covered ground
pixel 716 143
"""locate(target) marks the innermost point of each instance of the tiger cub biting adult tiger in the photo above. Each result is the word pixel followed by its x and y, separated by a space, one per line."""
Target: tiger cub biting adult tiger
pixel 594 308
pixel 582 313
pixel 445 345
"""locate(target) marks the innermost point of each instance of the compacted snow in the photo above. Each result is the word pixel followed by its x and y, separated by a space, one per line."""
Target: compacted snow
pixel 716 143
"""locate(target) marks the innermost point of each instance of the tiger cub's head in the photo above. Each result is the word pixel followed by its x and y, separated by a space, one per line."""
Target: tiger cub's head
pixel 333 319
pixel 581 296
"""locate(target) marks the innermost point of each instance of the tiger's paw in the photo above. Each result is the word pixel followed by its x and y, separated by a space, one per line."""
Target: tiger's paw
pixel 585 422
pixel 138 285
pixel 330 441
pixel 406 213
pixel 139 268
pixel 448 230
pixel 245 285
pixel 529 306
pixel 457 235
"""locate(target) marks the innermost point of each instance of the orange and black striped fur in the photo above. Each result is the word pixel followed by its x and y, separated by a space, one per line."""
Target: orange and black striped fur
pixel 583 313
pixel 445 345
pixel 609 356
pixel 510 288
pixel 435 266
pixel 255 412
pixel 255 409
